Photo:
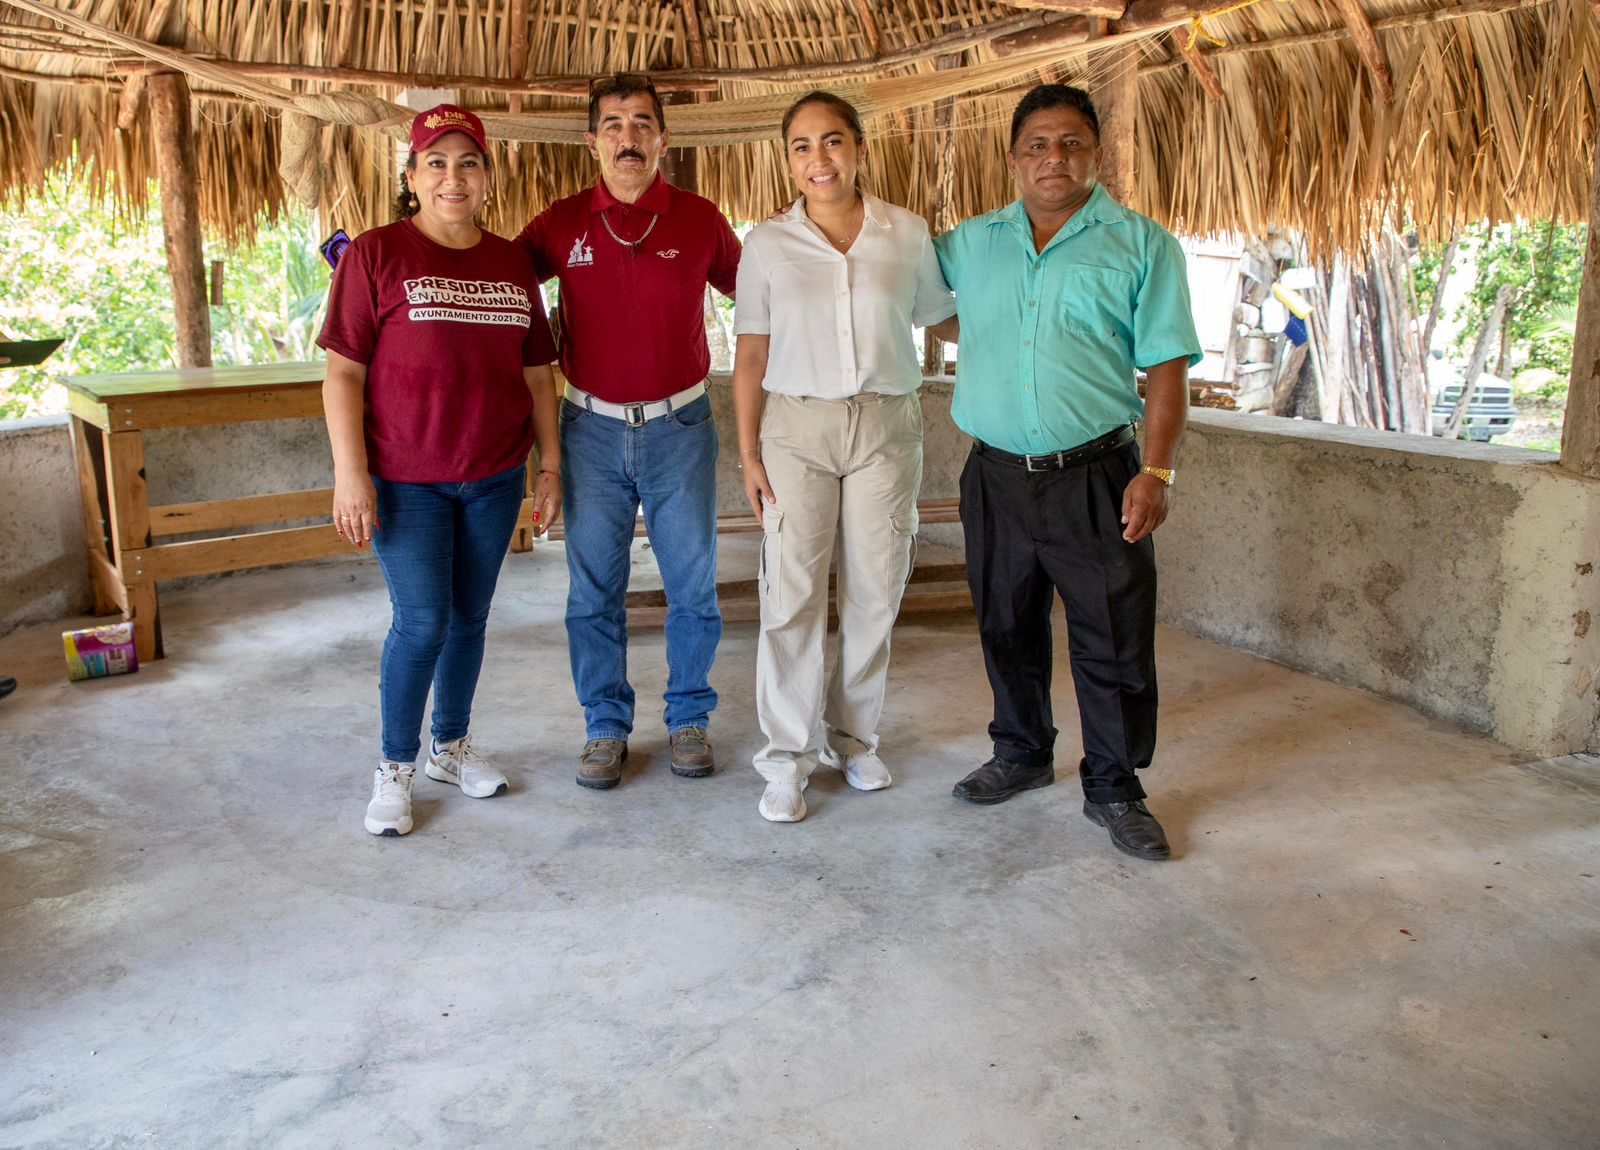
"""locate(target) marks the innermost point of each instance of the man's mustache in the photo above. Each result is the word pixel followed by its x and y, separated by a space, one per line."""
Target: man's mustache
pixel 631 153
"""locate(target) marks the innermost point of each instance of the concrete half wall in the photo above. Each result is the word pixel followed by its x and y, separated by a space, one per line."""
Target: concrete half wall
pixel 1456 577
pixel 1459 578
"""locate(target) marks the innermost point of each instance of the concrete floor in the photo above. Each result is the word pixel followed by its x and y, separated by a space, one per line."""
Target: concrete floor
pixel 1378 932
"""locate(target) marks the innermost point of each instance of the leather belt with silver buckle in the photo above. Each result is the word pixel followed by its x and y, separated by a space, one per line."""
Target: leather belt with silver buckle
pixel 1061 460
pixel 634 414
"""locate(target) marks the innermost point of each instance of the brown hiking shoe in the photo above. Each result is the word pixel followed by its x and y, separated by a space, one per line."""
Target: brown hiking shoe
pixel 691 753
pixel 600 765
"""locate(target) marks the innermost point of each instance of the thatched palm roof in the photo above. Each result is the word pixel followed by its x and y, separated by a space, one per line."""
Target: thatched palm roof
pixel 1326 115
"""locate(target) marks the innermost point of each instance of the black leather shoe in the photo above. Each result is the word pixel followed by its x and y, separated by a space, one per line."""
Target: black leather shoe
pixel 999 779
pixel 1134 829
pixel 7 685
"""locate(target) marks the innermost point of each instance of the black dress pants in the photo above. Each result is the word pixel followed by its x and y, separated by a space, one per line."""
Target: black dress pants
pixel 1031 533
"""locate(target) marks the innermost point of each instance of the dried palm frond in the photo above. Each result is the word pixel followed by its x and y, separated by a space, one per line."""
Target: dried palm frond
pixel 1494 113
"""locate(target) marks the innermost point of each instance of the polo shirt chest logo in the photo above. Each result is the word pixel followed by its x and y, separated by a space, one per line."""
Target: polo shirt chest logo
pixel 669 254
pixel 582 254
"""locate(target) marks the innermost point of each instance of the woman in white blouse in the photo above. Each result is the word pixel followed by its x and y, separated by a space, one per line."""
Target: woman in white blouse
pixel 830 441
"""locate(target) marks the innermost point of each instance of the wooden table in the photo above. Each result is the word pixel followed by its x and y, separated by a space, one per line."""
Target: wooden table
pixel 110 414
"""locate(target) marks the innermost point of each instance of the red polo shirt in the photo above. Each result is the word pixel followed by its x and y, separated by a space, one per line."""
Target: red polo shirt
pixel 633 319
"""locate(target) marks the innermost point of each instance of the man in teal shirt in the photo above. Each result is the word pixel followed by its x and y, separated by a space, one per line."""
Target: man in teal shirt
pixel 1061 296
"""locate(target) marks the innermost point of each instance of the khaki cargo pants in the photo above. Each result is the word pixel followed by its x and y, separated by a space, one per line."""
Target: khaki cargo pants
pixel 846 470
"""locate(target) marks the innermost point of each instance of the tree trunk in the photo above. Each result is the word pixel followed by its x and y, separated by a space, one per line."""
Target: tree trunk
pixel 1480 359
pixel 178 171
pixel 1385 336
pixel 1502 366
pixel 1413 363
pixel 1438 295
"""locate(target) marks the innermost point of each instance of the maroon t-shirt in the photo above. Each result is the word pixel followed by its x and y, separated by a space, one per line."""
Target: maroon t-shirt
pixel 445 334
pixel 633 319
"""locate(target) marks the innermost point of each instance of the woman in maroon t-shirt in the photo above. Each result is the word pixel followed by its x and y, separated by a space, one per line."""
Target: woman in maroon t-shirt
pixel 438 386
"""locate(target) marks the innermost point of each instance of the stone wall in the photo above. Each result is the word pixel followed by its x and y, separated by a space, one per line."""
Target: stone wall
pixel 1459 578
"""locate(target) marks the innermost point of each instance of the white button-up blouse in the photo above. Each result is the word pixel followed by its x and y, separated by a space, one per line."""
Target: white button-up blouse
pixel 840 322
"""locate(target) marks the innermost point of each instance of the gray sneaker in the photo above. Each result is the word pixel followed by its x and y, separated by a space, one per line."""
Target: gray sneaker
pixel 691 753
pixel 600 765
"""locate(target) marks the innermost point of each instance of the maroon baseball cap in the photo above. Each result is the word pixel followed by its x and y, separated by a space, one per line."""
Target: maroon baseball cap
pixel 440 121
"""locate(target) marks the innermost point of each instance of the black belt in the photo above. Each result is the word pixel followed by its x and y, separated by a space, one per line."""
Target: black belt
pixel 1060 460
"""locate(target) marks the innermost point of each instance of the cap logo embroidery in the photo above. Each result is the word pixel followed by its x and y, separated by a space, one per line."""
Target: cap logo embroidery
pixel 438 118
pixel 582 255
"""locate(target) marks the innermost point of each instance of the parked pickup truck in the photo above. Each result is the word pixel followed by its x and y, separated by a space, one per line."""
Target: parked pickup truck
pixel 1491 412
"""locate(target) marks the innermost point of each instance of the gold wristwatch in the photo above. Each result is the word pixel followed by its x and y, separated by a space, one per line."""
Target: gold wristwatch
pixel 1166 474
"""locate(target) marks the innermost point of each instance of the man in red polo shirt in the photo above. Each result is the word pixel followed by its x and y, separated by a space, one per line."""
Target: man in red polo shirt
pixel 634 255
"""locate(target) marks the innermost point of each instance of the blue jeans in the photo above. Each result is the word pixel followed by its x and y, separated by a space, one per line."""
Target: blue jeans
pixel 440 546
pixel 608 470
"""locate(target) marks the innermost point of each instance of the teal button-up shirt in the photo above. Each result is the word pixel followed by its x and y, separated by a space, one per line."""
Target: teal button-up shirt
pixel 1050 340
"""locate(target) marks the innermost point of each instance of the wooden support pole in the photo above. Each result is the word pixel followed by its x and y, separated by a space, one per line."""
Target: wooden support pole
pixel 518 48
pixel 680 166
pixel 942 216
pixel 1197 64
pixel 1061 32
pixel 874 31
pixel 1117 102
pixel 178 171
pixel 1105 9
pixel 1580 435
pixel 1367 46
pixel 695 34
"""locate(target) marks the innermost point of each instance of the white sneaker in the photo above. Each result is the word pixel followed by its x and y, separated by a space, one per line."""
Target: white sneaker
pixel 783 802
pixel 863 772
pixel 458 764
pixel 389 812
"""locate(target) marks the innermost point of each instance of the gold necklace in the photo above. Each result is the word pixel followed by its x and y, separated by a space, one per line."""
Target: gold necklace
pixel 843 243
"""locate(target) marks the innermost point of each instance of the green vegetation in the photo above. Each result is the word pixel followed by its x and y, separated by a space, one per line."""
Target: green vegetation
pixel 77 270
pixel 1545 262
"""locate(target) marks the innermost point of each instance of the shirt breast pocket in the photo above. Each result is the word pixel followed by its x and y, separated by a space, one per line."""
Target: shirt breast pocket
pixel 1097 302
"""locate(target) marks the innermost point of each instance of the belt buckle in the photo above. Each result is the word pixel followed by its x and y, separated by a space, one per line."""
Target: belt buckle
pixel 633 413
pixel 1046 461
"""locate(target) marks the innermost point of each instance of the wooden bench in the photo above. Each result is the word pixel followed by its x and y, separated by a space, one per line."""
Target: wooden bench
pixel 939 587
pixel 124 533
